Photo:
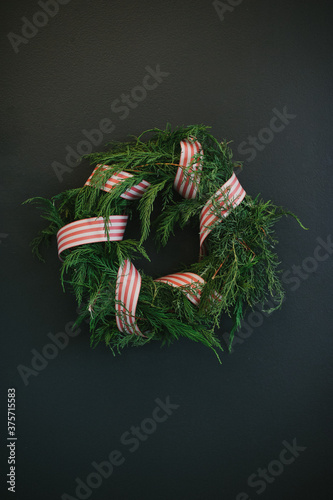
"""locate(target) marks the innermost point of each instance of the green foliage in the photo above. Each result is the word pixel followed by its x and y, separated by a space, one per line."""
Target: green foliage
pixel 146 206
pixel 240 268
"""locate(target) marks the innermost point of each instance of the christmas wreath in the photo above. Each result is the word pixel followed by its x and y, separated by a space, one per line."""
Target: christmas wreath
pixel 192 173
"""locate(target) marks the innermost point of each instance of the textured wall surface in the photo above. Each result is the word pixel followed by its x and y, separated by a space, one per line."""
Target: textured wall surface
pixel 257 426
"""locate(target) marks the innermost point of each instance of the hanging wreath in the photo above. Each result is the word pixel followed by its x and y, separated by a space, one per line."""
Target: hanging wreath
pixel 193 174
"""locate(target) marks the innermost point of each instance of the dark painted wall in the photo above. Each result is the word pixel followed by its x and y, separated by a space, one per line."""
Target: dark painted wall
pixel 233 65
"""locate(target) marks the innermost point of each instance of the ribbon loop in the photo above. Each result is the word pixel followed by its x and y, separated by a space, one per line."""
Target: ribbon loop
pixel 188 173
pixel 192 284
pixel 128 287
pixel 227 197
pixel 134 193
pixel 91 230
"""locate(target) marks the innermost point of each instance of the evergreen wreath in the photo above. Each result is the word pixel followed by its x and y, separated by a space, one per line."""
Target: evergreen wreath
pixel 237 265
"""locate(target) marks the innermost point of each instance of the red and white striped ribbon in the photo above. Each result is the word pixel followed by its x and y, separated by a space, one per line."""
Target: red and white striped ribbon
pixel 228 197
pixel 91 230
pixel 188 173
pixel 133 193
pixel 128 287
pixel 186 280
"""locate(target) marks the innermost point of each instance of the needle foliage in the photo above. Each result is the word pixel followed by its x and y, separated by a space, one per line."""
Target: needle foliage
pixel 240 267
